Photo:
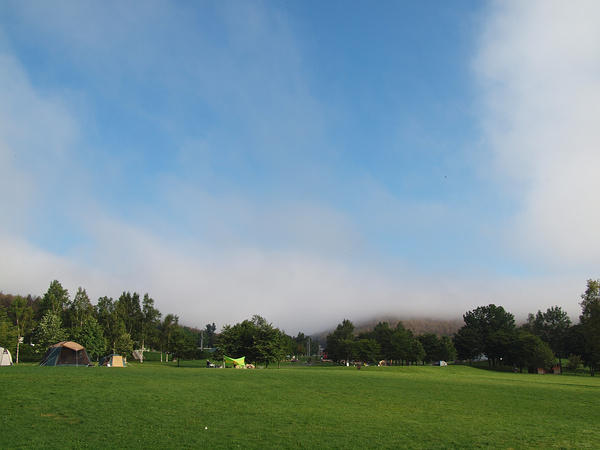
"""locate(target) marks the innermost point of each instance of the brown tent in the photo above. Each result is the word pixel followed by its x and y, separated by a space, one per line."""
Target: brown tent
pixel 66 353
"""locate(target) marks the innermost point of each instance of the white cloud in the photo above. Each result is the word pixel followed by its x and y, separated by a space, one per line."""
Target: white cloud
pixel 210 251
pixel 37 136
pixel 540 75
pixel 297 291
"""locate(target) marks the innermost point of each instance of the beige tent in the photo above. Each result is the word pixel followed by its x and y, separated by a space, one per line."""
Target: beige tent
pixel 113 361
pixel 5 357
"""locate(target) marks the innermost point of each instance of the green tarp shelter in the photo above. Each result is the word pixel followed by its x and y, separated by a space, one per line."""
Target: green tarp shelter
pixel 241 362
pixel 66 353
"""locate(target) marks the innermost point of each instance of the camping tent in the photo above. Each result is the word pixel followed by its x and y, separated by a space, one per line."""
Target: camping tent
pixel 239 362
pixel 66 353
pixel 113 361
pixel 138 355
pixel 5 357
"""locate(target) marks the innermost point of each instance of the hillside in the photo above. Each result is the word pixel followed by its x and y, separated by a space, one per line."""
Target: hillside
pixel 417 326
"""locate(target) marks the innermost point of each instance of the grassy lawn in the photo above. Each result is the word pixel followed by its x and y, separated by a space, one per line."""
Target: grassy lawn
pixel 161 405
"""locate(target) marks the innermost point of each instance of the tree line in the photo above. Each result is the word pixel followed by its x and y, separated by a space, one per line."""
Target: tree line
pixel 489 332
pixel 394 344
pixel 29 325
pixel 543 338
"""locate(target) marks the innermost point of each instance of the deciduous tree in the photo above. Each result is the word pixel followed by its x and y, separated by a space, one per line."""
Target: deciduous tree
pixel 400 345
pixel 551 327
pixel 8 331
pixel 130 312
pixel 416 352
pixel 181 344
pixel 447 351
pixel 468 344
pixel 337 349
pixel 150 323
pixel 431 345
pixel 79 309
pixel 21 315
pixel 486 322
pixel 590 322
pixel 258 340
pixel 50 330
pixel 168 325
pixel 91 335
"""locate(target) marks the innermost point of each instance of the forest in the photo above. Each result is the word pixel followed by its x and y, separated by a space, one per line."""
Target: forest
pixel 29 325
pixel 489 333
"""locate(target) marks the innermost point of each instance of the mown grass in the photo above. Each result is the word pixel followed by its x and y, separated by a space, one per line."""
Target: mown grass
pixel 161 405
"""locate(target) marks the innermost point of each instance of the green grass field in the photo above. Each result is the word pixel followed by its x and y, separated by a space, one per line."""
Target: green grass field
pixel 164 406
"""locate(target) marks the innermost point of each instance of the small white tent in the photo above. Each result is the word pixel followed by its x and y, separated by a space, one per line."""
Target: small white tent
pixel 5 357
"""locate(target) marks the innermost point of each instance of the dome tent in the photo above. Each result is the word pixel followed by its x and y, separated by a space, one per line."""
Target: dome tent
pixel 113 360
pixel 5 357
pixel 66 353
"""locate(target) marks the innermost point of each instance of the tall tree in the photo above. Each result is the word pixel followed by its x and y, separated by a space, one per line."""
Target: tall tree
pixel 90 334
pixel 237 340
pixel 210 335
pixel 21 315
pixel 447 351
pixel 300 344
pixel 109 316
pixel 486 322
pixel 575 341
pixel 106 316
pixel 168 325
pixel 258 340
pixel 130 311
pixel 384 336
pixel 590 321
pixel 431 345
pixel 56 300
pixel 401 342
pixel 337 345
pixel 551 327
pixel 50 330
pixel 150 323
pixel 123 343
pixel 80 309
pixel 468 344
pixel 416 352
pixel 8 331
pixel 181 344
pixel 269 344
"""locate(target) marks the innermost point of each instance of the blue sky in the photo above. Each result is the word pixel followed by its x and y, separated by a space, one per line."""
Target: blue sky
pixel 305 161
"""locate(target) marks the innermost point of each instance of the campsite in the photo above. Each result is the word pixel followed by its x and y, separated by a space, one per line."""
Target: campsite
pixel 325 406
